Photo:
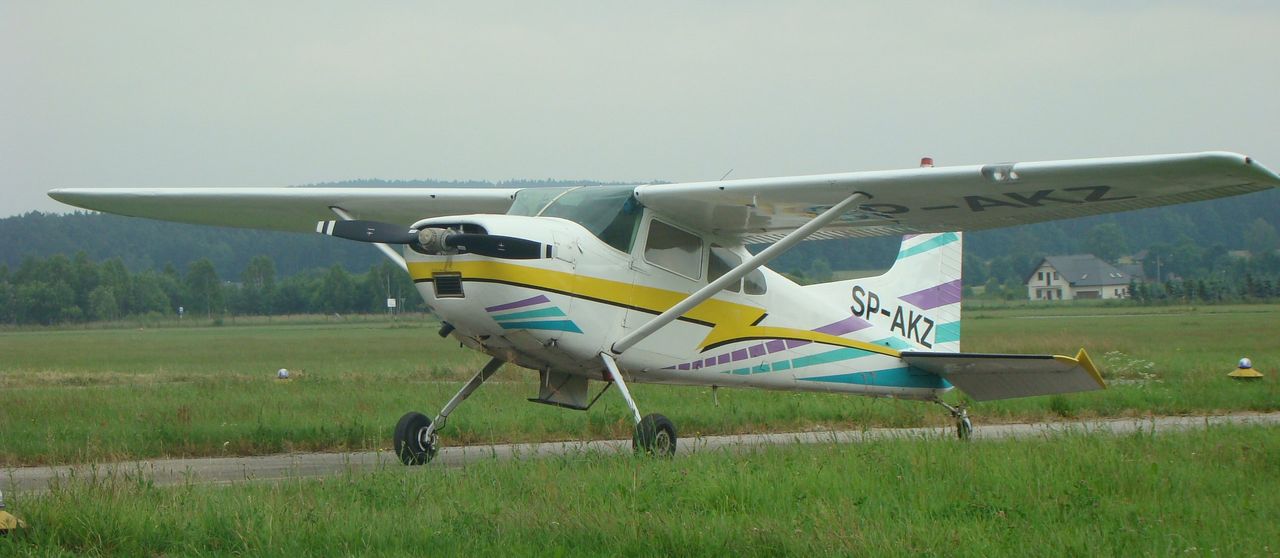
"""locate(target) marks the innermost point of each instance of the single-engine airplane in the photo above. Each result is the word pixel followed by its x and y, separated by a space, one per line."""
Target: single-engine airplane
pixel 653 283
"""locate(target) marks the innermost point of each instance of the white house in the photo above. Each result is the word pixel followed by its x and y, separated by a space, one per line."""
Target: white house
pixel 1078 276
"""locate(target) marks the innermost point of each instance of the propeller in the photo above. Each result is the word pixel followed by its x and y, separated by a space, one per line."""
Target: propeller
pixel 368 231
pixel 495 246
pixel 434 240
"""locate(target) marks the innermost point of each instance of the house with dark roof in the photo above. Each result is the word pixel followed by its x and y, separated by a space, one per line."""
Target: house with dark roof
pixel 1077 276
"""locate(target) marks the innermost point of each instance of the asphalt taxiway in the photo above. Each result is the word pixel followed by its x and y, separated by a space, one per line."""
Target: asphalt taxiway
pixel 224 470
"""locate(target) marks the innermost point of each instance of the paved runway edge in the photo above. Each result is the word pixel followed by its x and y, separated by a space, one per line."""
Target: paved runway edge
pixel 215 470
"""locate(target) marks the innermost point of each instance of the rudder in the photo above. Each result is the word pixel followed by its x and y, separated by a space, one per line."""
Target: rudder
pixel 918 298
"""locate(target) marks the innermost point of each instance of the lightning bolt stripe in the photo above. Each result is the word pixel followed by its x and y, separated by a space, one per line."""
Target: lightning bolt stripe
pixel 729 322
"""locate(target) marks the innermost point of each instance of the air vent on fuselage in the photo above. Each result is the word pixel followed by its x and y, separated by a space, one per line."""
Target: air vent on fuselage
pixel 448 285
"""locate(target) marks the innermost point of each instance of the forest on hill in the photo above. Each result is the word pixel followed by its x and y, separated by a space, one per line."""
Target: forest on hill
pixel 89 266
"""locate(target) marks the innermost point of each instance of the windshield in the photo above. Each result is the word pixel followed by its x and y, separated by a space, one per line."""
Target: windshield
pixel 609 212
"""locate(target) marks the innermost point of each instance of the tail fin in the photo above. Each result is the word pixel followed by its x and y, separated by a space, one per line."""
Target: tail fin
pixel 918 299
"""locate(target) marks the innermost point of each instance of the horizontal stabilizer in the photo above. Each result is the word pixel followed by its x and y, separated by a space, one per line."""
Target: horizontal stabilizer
pixel 989 377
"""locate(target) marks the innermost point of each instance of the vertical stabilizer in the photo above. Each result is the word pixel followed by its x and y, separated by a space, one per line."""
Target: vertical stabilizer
pixel 918 299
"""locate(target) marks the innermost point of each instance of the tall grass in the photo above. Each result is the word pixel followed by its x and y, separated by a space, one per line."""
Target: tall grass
pixel 94 395
pixel 1206 492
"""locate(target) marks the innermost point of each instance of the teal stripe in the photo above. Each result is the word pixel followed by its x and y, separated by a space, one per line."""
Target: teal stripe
pixel 894 377
pixel 947 333
pixel 543 313
pixel 552 325
pixel 927 245
pixel 828 357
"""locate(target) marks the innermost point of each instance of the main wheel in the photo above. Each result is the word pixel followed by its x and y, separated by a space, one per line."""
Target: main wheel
pixel 655 435
pixel 413 445
pixel 964 428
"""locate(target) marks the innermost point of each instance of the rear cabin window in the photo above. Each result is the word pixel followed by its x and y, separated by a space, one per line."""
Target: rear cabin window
pixel 723 260
pixel 753 283
pixel 673 249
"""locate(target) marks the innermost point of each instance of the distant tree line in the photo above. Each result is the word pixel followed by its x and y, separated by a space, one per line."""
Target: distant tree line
pixel 58 289
pixel 1185 246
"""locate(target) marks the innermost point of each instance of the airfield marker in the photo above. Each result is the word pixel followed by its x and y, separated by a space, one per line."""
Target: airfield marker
pixel 1244 370
pixel 7 521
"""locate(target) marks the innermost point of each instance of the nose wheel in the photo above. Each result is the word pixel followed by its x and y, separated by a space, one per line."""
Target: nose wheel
pixel 415 436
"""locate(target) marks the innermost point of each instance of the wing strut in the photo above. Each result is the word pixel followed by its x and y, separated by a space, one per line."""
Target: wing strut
pixel 714 287
pixel 387 250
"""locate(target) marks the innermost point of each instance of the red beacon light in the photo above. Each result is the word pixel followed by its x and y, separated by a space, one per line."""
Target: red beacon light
pixel 926 162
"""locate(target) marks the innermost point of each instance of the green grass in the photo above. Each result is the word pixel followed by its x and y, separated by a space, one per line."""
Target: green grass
pixel 119 393
pixel 1198 493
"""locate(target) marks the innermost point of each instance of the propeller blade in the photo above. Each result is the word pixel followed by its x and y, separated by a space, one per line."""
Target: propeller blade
pixel 496 246
pixel 367 231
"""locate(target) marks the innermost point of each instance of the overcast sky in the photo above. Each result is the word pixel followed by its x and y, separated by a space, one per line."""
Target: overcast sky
pixel 120 94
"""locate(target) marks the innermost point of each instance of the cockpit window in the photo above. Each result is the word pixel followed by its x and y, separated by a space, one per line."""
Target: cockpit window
pixel 609 212
pixel 529 201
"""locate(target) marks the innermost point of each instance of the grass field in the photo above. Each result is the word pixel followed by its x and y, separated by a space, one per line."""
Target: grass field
pixel 1196 493
pixel 116 393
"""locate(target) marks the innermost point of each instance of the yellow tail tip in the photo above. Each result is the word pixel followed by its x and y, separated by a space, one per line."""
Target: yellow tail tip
pixel 1087 363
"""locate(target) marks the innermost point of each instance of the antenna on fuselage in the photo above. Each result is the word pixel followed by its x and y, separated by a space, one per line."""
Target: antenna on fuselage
pixel 726 174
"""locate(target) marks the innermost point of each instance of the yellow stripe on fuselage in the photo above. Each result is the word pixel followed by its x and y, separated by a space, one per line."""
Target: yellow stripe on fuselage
pixel 730 321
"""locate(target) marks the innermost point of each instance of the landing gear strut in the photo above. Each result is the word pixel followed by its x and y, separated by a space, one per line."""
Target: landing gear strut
pixel 655 434
pixel 964 427
pixel 415 436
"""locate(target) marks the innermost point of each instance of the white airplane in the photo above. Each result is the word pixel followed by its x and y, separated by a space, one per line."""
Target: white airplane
pixel 653 283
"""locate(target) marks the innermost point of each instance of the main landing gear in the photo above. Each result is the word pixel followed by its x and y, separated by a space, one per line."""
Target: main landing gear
pixel 964 428
pixel 416 439
pixel 655 434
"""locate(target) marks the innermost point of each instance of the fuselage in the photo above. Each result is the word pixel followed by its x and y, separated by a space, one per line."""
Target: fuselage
pixel 560 311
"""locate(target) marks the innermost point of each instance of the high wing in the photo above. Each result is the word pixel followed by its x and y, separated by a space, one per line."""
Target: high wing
pixel 923 200
pixel 287 209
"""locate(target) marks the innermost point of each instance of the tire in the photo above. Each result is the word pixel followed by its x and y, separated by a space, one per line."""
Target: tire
pixel 964 428
pixel 655 435
pixel 409 446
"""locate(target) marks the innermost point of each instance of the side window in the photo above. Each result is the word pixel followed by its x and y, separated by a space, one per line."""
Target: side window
pixel 754 283
pixel 673 249
pixel 721 261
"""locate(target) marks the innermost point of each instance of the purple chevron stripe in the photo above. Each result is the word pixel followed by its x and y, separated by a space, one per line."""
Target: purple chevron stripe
pixel 847 325
pixel 909 236
pixel 933 297
pixel 518 304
